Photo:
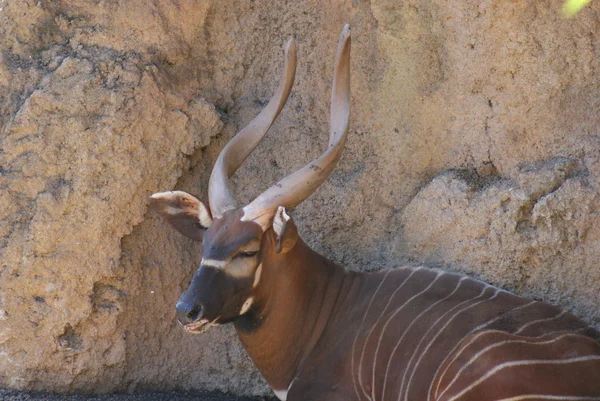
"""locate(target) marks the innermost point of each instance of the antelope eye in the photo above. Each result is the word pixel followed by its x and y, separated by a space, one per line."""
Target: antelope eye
pixel 248 254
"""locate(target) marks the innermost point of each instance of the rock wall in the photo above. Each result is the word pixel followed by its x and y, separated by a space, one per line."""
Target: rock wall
pixel 473 146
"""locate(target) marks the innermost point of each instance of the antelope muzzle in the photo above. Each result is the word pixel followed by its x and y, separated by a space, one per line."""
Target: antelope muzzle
pixel 198 307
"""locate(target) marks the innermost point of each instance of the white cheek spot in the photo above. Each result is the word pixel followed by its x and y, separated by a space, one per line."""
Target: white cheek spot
pixel 257 276
pixel 246 306
pixel 219 264
pixel 281 394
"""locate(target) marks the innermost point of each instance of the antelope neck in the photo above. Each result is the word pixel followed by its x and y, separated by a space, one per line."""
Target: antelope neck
pixel 296 296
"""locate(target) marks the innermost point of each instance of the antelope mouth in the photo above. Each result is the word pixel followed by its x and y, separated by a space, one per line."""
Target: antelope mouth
pixel 199 327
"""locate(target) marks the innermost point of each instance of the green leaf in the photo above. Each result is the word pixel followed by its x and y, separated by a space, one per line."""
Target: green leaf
pixel 572 7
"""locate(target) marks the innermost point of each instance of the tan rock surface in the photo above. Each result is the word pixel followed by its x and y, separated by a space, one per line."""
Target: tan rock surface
pixel 473 145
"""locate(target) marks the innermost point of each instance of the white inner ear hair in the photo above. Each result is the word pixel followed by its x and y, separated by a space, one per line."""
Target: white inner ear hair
pixel 204 216
pixel 218 264
pixel 162 195
pixel 279 221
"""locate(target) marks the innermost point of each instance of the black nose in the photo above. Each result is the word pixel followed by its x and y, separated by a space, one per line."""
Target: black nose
pixel 188 313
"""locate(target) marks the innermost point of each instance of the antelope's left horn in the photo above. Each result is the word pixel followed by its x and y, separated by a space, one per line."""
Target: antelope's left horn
pixel 220 195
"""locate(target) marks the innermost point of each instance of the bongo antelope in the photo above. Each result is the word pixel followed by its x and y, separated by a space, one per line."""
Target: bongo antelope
pixel 319 332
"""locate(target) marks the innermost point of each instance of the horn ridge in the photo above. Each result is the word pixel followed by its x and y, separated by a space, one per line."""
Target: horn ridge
pixel 220 194
pixel 296 187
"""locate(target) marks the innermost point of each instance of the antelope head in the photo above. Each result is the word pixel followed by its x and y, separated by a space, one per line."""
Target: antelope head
pixel 237 241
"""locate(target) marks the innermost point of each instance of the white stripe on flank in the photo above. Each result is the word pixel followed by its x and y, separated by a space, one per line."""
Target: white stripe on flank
pixel 471 341
pixel 362 355
pixel 500 316
pixel 483 290
pixel 491 347
pixel 435 324
pixel 550 397
pixel 496 292
pixel 540 321
pixel 475 330
pixel 358 333
pixel 523 363
pixel 218 264
pixel 387 323
pixel 458 284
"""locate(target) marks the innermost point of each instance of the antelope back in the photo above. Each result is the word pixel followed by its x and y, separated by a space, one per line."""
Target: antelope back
pixel 425 334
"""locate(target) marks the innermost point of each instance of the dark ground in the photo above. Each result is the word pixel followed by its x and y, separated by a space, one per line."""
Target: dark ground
pixel 11 395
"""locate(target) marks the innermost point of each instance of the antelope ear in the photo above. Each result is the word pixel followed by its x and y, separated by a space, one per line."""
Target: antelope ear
pixel 285 230
pixel 184 212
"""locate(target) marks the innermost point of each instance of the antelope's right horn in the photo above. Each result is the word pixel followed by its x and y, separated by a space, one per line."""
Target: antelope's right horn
pixel 296 187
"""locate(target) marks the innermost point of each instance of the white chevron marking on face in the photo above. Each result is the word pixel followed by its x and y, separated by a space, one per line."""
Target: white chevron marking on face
pixel 218 264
